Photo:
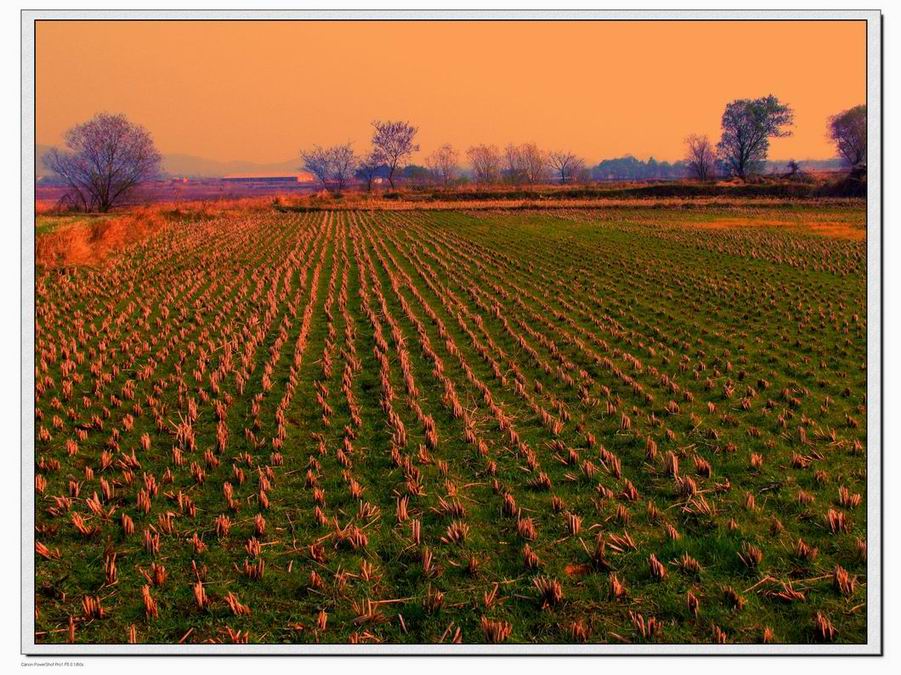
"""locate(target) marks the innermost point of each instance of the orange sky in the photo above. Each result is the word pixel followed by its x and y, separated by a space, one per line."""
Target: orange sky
pixel 260 91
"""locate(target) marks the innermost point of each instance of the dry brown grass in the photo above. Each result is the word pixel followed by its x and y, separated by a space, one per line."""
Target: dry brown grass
pixel 91 241
pixel 826 228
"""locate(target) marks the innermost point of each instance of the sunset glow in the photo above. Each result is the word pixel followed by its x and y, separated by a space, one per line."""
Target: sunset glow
pixel 261 90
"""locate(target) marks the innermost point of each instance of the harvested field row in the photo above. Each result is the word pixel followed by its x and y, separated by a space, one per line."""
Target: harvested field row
pixel 555 426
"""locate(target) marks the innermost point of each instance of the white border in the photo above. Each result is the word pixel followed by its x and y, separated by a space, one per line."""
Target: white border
pixel 873 645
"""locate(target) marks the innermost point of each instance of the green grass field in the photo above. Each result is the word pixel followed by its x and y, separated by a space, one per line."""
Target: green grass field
pixel 610 425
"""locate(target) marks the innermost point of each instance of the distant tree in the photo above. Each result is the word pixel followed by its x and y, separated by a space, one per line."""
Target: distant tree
pixel 848 130
pixel 370 168
pixel 747 127
pixel 343 164
pixel 393 143
pixel 620 168
pixel 486 163
pixel 106 159
pixel 566 165
pixel 333 166
pixel 416 174
pixel 534 163
pixel 582 174
pixel 525 163
pixel 629 168
pixel 514 164
pixel 318 161
pixel 792 169
pixel 444 164
pixel 700 156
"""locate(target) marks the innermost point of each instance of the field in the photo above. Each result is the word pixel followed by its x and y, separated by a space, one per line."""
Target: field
pixel 622 424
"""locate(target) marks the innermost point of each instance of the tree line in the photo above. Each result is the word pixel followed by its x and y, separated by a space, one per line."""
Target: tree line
pixel 107 157
pixel 747 126
pixel 394 142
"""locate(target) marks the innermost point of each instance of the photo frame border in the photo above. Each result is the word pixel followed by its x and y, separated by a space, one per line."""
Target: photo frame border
pixel 875 502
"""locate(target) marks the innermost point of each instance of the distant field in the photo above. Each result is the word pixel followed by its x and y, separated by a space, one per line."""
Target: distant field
pixel 816 186
pixel 567 425
pixel 213 189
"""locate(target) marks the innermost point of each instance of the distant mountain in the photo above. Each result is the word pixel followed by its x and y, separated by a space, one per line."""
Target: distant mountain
pixel 199 167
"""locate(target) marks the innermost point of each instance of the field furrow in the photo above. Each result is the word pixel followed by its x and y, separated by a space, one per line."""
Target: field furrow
pixel 611 425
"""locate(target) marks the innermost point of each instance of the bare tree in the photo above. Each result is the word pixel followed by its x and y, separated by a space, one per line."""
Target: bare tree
pixel 486 163
pixel 318 161
pixel 343 164
pixel 582 174
pixel 514 164
pixel 748 125
pixel 525 163
pixel 534 162
pixel 567 166
pixel 848 130
pixel 443 163
pixel 333 166
pixel 700 156
pixel 106 158
pixel 369 168
pixel 393 143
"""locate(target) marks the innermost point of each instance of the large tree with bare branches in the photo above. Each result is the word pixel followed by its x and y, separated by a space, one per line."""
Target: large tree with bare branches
pixel 105 159
pixel 393 142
